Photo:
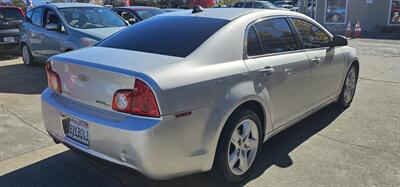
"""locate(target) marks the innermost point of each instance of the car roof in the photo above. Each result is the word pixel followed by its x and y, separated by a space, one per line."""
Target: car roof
pixel 224 13
pixel 10 7
pixel 69 5
pixel 137 7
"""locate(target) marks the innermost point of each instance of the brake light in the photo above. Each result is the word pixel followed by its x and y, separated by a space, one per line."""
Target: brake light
pixel 139 101
pixel 53 80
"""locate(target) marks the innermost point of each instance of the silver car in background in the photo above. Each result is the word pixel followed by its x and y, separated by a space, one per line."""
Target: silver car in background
pixel 55 28
pixel 189 92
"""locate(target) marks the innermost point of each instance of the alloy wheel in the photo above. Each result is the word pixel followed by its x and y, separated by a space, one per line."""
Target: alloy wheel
pixel 26 55
pixel 350 85
pixel 242 147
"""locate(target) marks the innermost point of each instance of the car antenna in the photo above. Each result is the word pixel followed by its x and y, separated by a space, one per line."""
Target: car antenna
pixel 197 9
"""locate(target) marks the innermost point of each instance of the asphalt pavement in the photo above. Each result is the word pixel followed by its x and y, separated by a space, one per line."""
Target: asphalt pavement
pixel 356 147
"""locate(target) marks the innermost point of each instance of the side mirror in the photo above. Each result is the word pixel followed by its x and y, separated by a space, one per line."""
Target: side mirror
pixel 52 26
pixel 132 21
pixel 339 40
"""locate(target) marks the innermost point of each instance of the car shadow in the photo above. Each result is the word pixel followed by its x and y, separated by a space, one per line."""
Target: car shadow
pixel 8 57
pixel 57 169
pixel 20 79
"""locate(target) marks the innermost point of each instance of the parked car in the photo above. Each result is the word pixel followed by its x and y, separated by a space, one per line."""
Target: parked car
pixel 255 4
pixel 161 98
pixel 134 14
pixel 287 4
pixel 55 28
pixel 10 20
pixel 335 14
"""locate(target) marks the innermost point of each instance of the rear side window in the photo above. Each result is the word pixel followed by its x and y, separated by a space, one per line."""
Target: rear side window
pixel 238 5
pixel 37 16
pixel 253 43
pixel 311 35
pixel 168 35
pixel 10 14
pixel 28 17
pixel 276 35
pixel 248 5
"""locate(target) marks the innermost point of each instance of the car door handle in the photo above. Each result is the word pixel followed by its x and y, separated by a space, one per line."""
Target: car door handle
pixel 267 70
pixel 316 60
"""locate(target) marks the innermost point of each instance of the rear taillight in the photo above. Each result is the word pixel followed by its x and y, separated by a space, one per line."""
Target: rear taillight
pixel 140 101
pixel 53 80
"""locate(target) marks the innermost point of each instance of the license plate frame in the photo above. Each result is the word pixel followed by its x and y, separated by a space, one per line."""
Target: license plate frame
pixel 76 130
pixel 9 39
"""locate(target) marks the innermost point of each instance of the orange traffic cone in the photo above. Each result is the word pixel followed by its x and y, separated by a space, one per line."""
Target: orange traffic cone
pixel 348 30
pixel 357 30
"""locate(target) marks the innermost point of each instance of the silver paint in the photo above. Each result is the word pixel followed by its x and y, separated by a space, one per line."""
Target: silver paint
pixel 212 82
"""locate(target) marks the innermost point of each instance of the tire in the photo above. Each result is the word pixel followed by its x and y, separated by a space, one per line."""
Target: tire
pixel 27 57
pixel 349 88
pixel 249 147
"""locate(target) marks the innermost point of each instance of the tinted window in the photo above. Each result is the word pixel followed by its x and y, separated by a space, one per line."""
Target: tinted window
pixel 148 13
pixel 125 15
pixel 311 35
pixel 168 35
pixel 91 17
pixel 29 16
pixel 238 5
pixel 258 5
pixel 51 17
pixel 264 4
pixel 253 43
pixel 10 14
pixel 37 16
pixel 276 35
pixel 248 5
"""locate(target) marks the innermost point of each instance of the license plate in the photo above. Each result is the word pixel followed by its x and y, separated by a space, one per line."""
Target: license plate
pixel 8 39
pixel 76 130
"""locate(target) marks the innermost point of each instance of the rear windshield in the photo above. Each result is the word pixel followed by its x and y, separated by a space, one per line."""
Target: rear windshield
pixel 10 14
pixel 168 35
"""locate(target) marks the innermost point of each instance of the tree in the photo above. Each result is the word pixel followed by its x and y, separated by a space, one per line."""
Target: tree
pixel 203 3
pixel 19 3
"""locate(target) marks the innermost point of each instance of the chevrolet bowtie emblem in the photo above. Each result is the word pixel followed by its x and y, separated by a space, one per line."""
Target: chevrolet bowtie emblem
pixel 83 77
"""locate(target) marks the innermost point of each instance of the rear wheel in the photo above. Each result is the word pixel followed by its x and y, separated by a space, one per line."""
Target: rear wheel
pixel 239 146
pixel 27 56
pixel 349 88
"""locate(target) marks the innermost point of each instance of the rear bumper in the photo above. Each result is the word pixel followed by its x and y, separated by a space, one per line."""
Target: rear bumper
pixel 159 148
pixel 10 48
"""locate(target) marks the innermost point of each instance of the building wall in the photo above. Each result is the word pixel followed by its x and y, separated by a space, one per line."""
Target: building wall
pixel 372 16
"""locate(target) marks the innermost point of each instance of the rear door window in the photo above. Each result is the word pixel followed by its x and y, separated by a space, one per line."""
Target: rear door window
pixel 37 17
pixel 276 35
pixel 28 17
pixel 168 35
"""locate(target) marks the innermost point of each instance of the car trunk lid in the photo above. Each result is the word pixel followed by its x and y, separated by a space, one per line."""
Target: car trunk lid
pixel 92 75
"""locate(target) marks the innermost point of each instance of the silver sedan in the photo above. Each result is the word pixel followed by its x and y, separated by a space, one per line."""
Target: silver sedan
pixel 194 91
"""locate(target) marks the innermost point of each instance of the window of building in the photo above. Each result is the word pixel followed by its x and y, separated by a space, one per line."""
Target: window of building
pixel 311 35
pixel 394 17
pixel 276 35
pixel 336 11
